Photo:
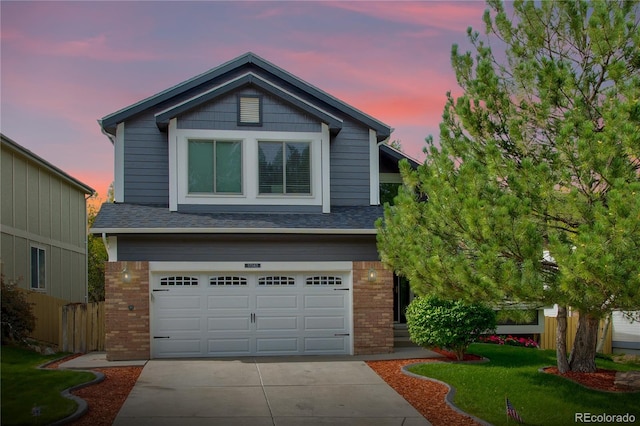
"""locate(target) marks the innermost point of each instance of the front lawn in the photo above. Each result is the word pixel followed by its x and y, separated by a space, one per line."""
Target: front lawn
pixel 539 398
pixel 25 387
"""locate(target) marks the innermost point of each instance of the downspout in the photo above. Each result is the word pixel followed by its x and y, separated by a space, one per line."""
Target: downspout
pixel 105 242
pixel 86 250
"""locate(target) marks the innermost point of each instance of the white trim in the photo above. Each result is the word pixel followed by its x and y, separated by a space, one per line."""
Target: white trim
pixel 374 172
pixel 118 173
pixel 112 248
pixel 173 165
pixel 326 169
pixel 250 193
pixel 234 231
pixel 339 266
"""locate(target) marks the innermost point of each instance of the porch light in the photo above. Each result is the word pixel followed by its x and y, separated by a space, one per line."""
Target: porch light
pixel 125 274
pixel 372 275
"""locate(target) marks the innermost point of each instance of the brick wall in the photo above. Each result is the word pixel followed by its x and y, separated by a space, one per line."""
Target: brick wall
pixel 127 330
pixel 372 309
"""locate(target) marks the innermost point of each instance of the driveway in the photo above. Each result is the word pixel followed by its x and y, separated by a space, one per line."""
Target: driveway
pixel 264 391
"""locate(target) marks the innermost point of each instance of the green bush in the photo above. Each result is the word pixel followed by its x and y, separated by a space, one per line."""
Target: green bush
pixel 17 315
pixel 448 324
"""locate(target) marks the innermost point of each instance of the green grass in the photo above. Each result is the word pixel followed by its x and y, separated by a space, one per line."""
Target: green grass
pixel 24 386
pixel 539 398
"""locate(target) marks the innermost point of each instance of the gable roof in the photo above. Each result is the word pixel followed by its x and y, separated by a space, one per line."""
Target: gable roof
pixel 14 146
pixel 397 155
pixel 266 76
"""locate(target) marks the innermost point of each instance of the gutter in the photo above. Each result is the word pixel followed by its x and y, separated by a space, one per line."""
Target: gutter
pixel 317 231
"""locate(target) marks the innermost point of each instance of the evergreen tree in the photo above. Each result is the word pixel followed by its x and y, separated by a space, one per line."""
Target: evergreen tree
pixel 534 192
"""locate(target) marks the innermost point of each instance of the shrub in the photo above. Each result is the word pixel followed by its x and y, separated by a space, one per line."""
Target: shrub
pixel 17 315
pixel 448 324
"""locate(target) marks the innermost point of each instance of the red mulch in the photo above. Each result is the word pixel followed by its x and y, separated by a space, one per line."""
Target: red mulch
pixel 107 397
pixel 602 379
pixel 424 395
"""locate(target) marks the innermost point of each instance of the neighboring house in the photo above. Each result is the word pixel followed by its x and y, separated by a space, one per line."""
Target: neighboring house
pixel 626 333
pixel 243 222
pixel 43 222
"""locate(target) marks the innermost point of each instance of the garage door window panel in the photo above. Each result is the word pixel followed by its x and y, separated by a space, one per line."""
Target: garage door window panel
pixel 323 280
pixel 226 281
pixel 276 281
pixel 179 281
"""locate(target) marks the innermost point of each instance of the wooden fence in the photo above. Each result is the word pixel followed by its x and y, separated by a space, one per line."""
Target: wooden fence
pixel 72 327
pixel 548 338
pixel 46 309
pixel 82 327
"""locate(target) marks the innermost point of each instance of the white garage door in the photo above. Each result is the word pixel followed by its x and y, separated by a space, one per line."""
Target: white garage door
pixel 246 314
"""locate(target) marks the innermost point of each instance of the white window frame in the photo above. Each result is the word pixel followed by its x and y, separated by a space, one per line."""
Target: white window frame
pixel 42 251
pixel 179 168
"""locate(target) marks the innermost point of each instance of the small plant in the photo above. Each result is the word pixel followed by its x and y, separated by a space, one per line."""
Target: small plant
pixel 18 320
pixel 448 324
pixel 509 340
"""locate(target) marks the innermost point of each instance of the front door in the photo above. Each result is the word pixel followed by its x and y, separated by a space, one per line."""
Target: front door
pixel 401 298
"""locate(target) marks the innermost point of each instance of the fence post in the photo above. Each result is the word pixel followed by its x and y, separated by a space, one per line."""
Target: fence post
pixel 64 340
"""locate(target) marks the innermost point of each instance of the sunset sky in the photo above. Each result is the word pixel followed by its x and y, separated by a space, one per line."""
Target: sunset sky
pixel 64 65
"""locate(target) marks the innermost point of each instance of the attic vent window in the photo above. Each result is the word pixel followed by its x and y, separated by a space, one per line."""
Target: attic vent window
pixel 249 110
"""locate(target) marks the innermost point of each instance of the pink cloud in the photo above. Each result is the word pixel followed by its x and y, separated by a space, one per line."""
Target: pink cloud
pixel 443 15
pixel 100 47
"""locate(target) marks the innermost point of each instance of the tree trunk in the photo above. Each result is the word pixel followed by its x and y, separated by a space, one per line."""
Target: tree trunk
pixel 603 336
pixel 561 340
pixel 583 353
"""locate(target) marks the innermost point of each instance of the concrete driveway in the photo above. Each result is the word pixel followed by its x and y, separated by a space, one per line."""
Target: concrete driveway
pixel 264 391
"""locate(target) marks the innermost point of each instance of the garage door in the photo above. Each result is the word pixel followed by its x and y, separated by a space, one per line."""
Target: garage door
pixel 247 314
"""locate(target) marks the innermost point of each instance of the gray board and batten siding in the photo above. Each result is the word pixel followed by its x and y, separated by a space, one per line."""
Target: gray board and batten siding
pixel 146 177
pixel 247 248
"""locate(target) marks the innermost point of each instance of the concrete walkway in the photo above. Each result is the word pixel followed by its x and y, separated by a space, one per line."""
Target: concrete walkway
pixel 282 392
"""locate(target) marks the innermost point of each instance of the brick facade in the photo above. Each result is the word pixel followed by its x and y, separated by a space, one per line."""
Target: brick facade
pixel 372 309
pixel 127 311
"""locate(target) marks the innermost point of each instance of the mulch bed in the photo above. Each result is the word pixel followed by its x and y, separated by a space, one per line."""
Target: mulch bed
pixel 107 397
pixel 603 380
pixel 424 395
pixel 104 399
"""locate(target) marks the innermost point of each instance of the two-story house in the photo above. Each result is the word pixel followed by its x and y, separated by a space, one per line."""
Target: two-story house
pixel 243 222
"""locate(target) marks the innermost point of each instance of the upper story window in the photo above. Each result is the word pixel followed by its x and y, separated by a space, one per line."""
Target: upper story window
pixel 256 167
pixel 284 168
pixel 38 268
pixel 215 167
pixel 250 110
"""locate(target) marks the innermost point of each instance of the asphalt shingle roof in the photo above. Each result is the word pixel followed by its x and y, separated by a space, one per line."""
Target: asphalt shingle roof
pixel 125 217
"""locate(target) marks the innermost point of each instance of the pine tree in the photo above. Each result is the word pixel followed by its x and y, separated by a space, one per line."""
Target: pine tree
pixel 533 194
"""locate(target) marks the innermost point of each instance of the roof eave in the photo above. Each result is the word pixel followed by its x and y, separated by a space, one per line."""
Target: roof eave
pixel 44 163
pixel 318 231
